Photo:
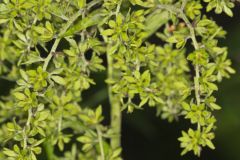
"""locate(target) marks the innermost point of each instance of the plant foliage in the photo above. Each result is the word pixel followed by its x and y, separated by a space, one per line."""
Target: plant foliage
pixel 42 114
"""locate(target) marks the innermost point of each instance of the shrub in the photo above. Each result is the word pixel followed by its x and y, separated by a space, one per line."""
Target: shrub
pixel 50 49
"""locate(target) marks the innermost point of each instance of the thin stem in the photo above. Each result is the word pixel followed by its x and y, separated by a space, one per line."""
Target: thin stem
pixel 116 117
pixel 29 117
pixel 114 102
pixel 100 141
pixel 180 13
pixel 184 4
pixel 49 149
pixel 118 7
pixel 93 3
pixel 213 36
pixel 25 137
pixel 49 57
pixel 196 46
pixel 63 30
pixel 47 145
pixel 60 124
pixel 115 109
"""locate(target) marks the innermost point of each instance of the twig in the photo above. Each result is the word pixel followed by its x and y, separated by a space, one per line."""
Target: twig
pixel 100 141
pixel 63 30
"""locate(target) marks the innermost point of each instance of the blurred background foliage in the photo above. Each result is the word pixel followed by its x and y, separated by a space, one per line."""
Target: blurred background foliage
pixel 147 137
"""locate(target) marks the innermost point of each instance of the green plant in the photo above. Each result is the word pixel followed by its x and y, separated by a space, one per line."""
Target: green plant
pixel 43 112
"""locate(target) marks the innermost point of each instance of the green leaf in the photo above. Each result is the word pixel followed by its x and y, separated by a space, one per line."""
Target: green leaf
pixel 37 150
pixel 70 53
pixel 116 153
pixel 99 112
pixel 60 144
pixel 94 18
pixel 33 59
pixel 143 101
pixel 37 143
pixel 23 74
pixel 19 96
pixel 59 80
pixel 172 39
pixel 84 139
pixel 215 106
pixel 43 115
pixel 107 32
pixel 158 99
pixel 9 153
pixel 81 3
pixel 210 144
pixel 130 79
pixel 3 21
pixel 186 106
pixel 228 11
